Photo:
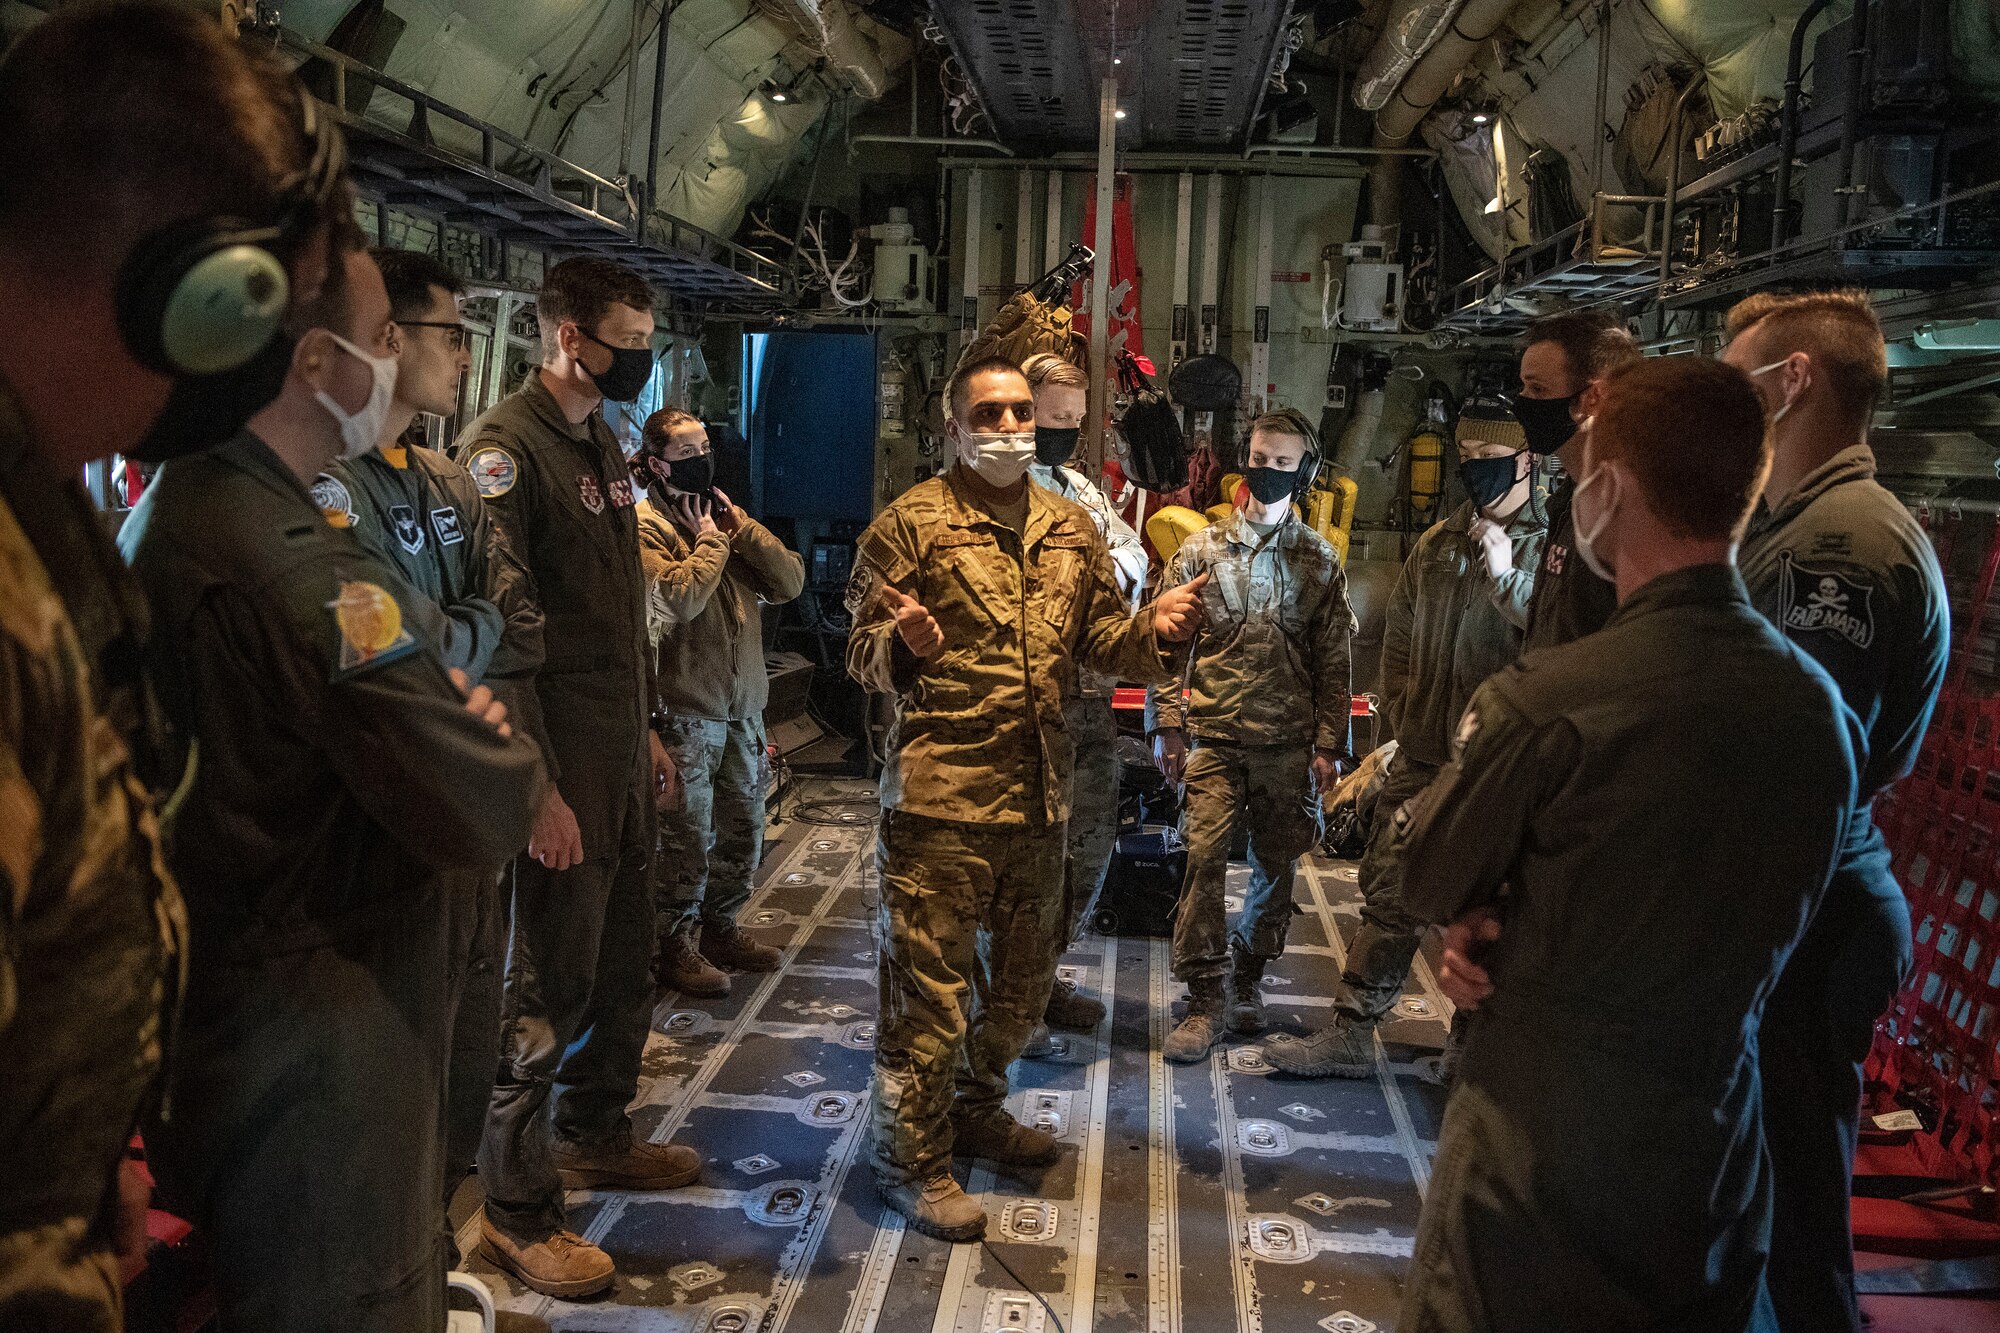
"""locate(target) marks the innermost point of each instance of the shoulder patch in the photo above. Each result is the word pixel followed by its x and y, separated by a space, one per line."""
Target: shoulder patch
pixel 494 471
pixel 333 499
pixel 861 588
pixel 1825 601
pixel 371 627
pixel 445 523
pixel 588 493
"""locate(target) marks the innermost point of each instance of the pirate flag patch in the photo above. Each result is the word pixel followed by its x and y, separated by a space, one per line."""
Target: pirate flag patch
pixel 1825 601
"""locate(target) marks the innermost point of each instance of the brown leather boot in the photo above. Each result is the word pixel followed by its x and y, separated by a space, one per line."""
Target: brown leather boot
pixel 563 1264
pixel 625 1164
pixel 1246 1000
pixel 1194 1036
pixel 678 966
pixel 936 1207
pixel 1001 1138
pixel 725 944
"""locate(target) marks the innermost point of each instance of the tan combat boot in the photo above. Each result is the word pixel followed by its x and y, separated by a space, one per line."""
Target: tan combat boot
pixel 563 1264
pixel 1071 1010
pixel 625 1163
pixel 725 944
pixel 1193 1037
pixel 1246 1001
pixel 677 966
pixel 937 1207
pixel 1001 1138
pixel 1041 1043
pixel 1341 1049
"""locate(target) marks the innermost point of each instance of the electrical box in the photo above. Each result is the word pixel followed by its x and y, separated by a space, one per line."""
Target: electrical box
pixel 902 267
pixel 1372 300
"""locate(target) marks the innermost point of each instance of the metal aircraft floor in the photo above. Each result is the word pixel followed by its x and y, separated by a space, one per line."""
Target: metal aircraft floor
pixel 1200 1198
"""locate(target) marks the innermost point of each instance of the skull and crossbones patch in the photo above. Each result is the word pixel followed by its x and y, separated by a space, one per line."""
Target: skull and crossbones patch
pixel 1826 601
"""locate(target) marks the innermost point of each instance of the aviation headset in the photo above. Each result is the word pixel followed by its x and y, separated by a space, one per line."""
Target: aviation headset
pixel 205 295
pixel 1295 423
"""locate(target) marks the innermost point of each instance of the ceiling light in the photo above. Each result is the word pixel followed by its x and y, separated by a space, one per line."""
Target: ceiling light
pixel 771 89
pixel 1481 117
pixel 1116 61
pixel 1119 114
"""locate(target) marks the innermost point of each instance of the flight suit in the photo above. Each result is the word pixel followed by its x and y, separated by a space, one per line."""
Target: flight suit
pixel 1449 626
pixel 337 782
pixel 976 789
pixel 1846 574
pixel 1268 682
pixel 1601 1163
pixel 713 685
pixel 92 931
pixel 1093 812
pixel 420 511
pixel 1569 600
pixel 578 995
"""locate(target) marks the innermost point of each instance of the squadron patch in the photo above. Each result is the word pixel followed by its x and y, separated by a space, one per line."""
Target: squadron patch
pixel 862 586
pixel 409 532
pixel 333 500
pixel 586 490
pixel 444 522
pixel 1825 601
pixel 371 626
pixel 494 472
pixel 621 493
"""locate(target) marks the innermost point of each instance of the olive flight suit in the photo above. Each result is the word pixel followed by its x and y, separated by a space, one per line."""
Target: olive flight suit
pixel 976 789
pixel 420 511
pixel 338 781
pixel 1449 626
pixel 92 931
pixel 712 686
pixel 1846 574
pixel 1569 600
pixel 1268 682
pixel 578 995
pixel 1093 807
pixel 1601 1163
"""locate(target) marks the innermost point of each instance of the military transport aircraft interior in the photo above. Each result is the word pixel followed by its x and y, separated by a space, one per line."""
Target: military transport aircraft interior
pixel 1000 666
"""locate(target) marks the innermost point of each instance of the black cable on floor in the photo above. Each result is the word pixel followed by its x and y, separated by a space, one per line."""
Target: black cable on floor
pixel 1008 1268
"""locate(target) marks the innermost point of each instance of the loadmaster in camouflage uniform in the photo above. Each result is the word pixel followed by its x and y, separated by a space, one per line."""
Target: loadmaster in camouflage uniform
pixel 975 598
pixel 1455 618
pixel 1267 683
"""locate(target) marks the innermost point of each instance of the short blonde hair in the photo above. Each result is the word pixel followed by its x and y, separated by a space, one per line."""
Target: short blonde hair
pixel 1047 368
pixel 1837 329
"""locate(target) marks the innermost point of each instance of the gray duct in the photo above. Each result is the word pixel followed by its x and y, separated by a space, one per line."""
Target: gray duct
pixel 829 25
pixel 1434 73
pixel 1411 29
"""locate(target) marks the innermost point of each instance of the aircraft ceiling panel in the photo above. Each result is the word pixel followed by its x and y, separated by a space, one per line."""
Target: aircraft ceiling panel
pixel 1206 63
pixel 1027 62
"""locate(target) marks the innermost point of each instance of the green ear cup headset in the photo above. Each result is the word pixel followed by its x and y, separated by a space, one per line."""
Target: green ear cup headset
pixel 205 295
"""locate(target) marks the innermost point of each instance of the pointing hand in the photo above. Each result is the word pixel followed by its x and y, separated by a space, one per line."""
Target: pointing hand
pixel 1177 612
pixel 918 626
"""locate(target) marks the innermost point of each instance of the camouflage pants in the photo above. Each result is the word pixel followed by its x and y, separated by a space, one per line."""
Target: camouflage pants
pixel 709 848
pixel 1093 810
pixel 1271 785
pixel 963 929
pixel 1379 955
pixel 59 1276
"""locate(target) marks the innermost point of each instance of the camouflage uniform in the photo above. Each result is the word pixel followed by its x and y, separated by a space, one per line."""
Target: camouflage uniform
pixel 976 789
pixel 338 782
pixel 90 923
pixel 1268 682
pixel 1449 626
pixel 1846 574
pixel 1602 1164
pixel 712 685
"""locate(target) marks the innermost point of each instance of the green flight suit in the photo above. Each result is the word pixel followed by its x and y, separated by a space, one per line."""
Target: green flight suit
pixel 1848 576
pixel 713 685
pixel 336 775
pixel 578 996
pixel 1655 847
pixel 92 930
pixel 1449 626
pixel 1268 681
pixel 1569 600
pixel 976 791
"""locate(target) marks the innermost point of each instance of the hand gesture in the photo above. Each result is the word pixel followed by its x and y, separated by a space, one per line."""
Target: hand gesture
pixel 1177 612
pixel 725 513
pixel 1464 982
pixel 918 626
pixel 481 703
pixel 556 841
pixel 695 513
pixel 1495 545
pixel 1170 754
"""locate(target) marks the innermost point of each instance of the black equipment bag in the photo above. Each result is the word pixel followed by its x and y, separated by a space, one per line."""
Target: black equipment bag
pixel 1142 884
pixel 1157 455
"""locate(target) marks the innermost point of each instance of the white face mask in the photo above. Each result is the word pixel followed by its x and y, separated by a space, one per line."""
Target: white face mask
pixel 1001 458
pixel 1784 407
pixel 1586 541
pixel 362 431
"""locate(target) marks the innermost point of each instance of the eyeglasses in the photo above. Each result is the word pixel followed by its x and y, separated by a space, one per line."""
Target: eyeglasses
pixel 460 335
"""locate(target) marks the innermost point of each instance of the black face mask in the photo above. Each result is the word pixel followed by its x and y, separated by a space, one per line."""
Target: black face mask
pixel 630 368
pixel 1055 444
pixel 1487 480
pixel 1269 484
pixel 1545 421
pixel 206 410
pixel 695 475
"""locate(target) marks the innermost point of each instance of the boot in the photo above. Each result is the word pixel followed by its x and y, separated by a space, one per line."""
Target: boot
pixel 1246 1001
pixel 1202 1028
pixel 677 966
pixel 563 1264
pixel 624 1163
pixel 1071 1010
pixel 1343 1048
pixel 724 944
pixel 1041 1043
pixel 1001 1138
pixel 937 1207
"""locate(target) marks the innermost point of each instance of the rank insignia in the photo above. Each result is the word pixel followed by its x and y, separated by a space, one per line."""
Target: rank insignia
pixel 586 490
pixel 370 624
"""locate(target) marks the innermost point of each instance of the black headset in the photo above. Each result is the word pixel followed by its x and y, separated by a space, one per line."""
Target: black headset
pixel 205 295
pixel 1295 423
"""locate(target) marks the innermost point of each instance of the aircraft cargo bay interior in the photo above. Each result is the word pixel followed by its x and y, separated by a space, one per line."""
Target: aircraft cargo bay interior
pixel 1000 666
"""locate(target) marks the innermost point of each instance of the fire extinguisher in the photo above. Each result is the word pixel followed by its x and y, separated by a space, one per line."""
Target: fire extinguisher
pixel 890 389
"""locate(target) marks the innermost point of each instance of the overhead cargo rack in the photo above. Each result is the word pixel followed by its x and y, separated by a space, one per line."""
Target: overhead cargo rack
pixel 444 161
